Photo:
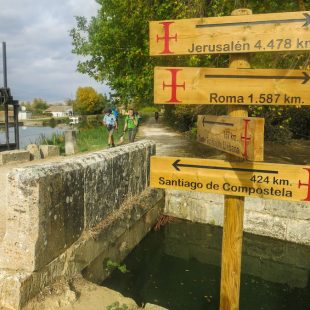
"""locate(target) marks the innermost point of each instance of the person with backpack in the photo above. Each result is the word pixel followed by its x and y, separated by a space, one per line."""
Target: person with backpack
pixel 110 122
pixel 131 125
pixel 115 113
pixel 156 115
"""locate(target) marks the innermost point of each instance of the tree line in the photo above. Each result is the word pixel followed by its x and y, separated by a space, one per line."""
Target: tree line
pixel 86 102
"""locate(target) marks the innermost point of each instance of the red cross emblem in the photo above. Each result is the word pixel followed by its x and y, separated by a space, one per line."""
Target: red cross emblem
pixel 245 138
pixel 306 184
pixel 167 37
pixel 173 85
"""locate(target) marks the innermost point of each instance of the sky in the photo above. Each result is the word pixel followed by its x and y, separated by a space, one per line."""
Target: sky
pixel 39 58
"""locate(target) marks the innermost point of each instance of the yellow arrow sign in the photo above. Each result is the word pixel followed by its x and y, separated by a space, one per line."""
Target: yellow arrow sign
pixel 231 86
pixel 264 180
pixel 240 136
pixel 231 34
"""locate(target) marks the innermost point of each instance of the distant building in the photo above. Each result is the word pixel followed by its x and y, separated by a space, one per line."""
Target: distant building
pixel 60 110
pixel 24 114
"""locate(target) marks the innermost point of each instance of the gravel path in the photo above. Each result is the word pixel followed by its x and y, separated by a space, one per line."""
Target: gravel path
pixel 171 143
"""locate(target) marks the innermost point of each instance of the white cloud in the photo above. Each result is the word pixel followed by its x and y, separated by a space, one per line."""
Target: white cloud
pixel 40 62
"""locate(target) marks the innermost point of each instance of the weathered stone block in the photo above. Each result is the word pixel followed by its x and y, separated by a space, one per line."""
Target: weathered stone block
pixel 49 151
pixel 108 181
pixel 298 231
pixel 265 225
pixel 15 156
pixel 34 151
pixel 70 142
pixel 45 214
pixel 196 207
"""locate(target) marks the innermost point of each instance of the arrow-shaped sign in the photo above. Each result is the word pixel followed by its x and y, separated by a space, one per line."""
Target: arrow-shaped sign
pixel 273 32
pixel 239 136
pixel 204 122
pixel 231 86
pixel 305 78
pixel 305 20
pixel 264 180
pixel 177 164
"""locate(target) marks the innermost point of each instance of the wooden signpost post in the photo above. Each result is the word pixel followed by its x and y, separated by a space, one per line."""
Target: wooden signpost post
pixel 231 86
pixel 239 136
pixel 231 34
pixel 237 87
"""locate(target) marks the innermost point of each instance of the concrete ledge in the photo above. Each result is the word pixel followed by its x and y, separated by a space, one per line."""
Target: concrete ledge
pixel 282 220
pixel 15 156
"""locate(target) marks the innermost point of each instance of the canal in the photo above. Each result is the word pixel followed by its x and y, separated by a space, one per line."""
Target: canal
pixel 178 267
pixel 28 135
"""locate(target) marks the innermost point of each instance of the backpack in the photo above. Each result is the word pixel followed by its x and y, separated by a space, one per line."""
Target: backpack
pixel 115 113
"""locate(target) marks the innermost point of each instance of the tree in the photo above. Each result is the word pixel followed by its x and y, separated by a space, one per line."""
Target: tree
pixel 38 105
pixel 88 101
pixel 116 43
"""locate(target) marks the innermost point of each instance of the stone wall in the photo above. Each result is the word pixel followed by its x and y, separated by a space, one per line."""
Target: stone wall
pixel 53 209
pixel 283 220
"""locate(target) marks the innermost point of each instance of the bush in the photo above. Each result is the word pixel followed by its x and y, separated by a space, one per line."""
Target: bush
pixel 300 122
pixel 184 117
pixel 277 119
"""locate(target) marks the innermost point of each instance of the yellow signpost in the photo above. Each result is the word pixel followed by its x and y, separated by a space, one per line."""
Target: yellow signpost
pixel 236 35
pixel 263 180
pixel 231 86
pixel 239 136
pixel 231 34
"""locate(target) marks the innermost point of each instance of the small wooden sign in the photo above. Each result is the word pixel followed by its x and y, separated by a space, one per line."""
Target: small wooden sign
pixel 240 136
pixel 231 86
pixel 231 34
pixel 264 180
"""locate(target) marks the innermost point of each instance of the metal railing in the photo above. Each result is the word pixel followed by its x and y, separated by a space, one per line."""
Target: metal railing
pixel 6 99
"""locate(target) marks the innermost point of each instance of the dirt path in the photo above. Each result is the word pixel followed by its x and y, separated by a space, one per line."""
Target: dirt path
pixel 172 143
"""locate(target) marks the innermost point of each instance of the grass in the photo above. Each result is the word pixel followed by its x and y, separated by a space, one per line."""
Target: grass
pixel 149 109
pixel 96 137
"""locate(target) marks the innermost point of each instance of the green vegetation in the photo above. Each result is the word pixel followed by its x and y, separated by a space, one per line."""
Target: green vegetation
pixel 111 265
pixel 37 106
pixel 55 139
pixel 149 110
pixel 53 122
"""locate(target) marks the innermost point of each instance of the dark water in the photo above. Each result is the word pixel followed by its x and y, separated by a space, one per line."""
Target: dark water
pixel 28 135
pixel 178 268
